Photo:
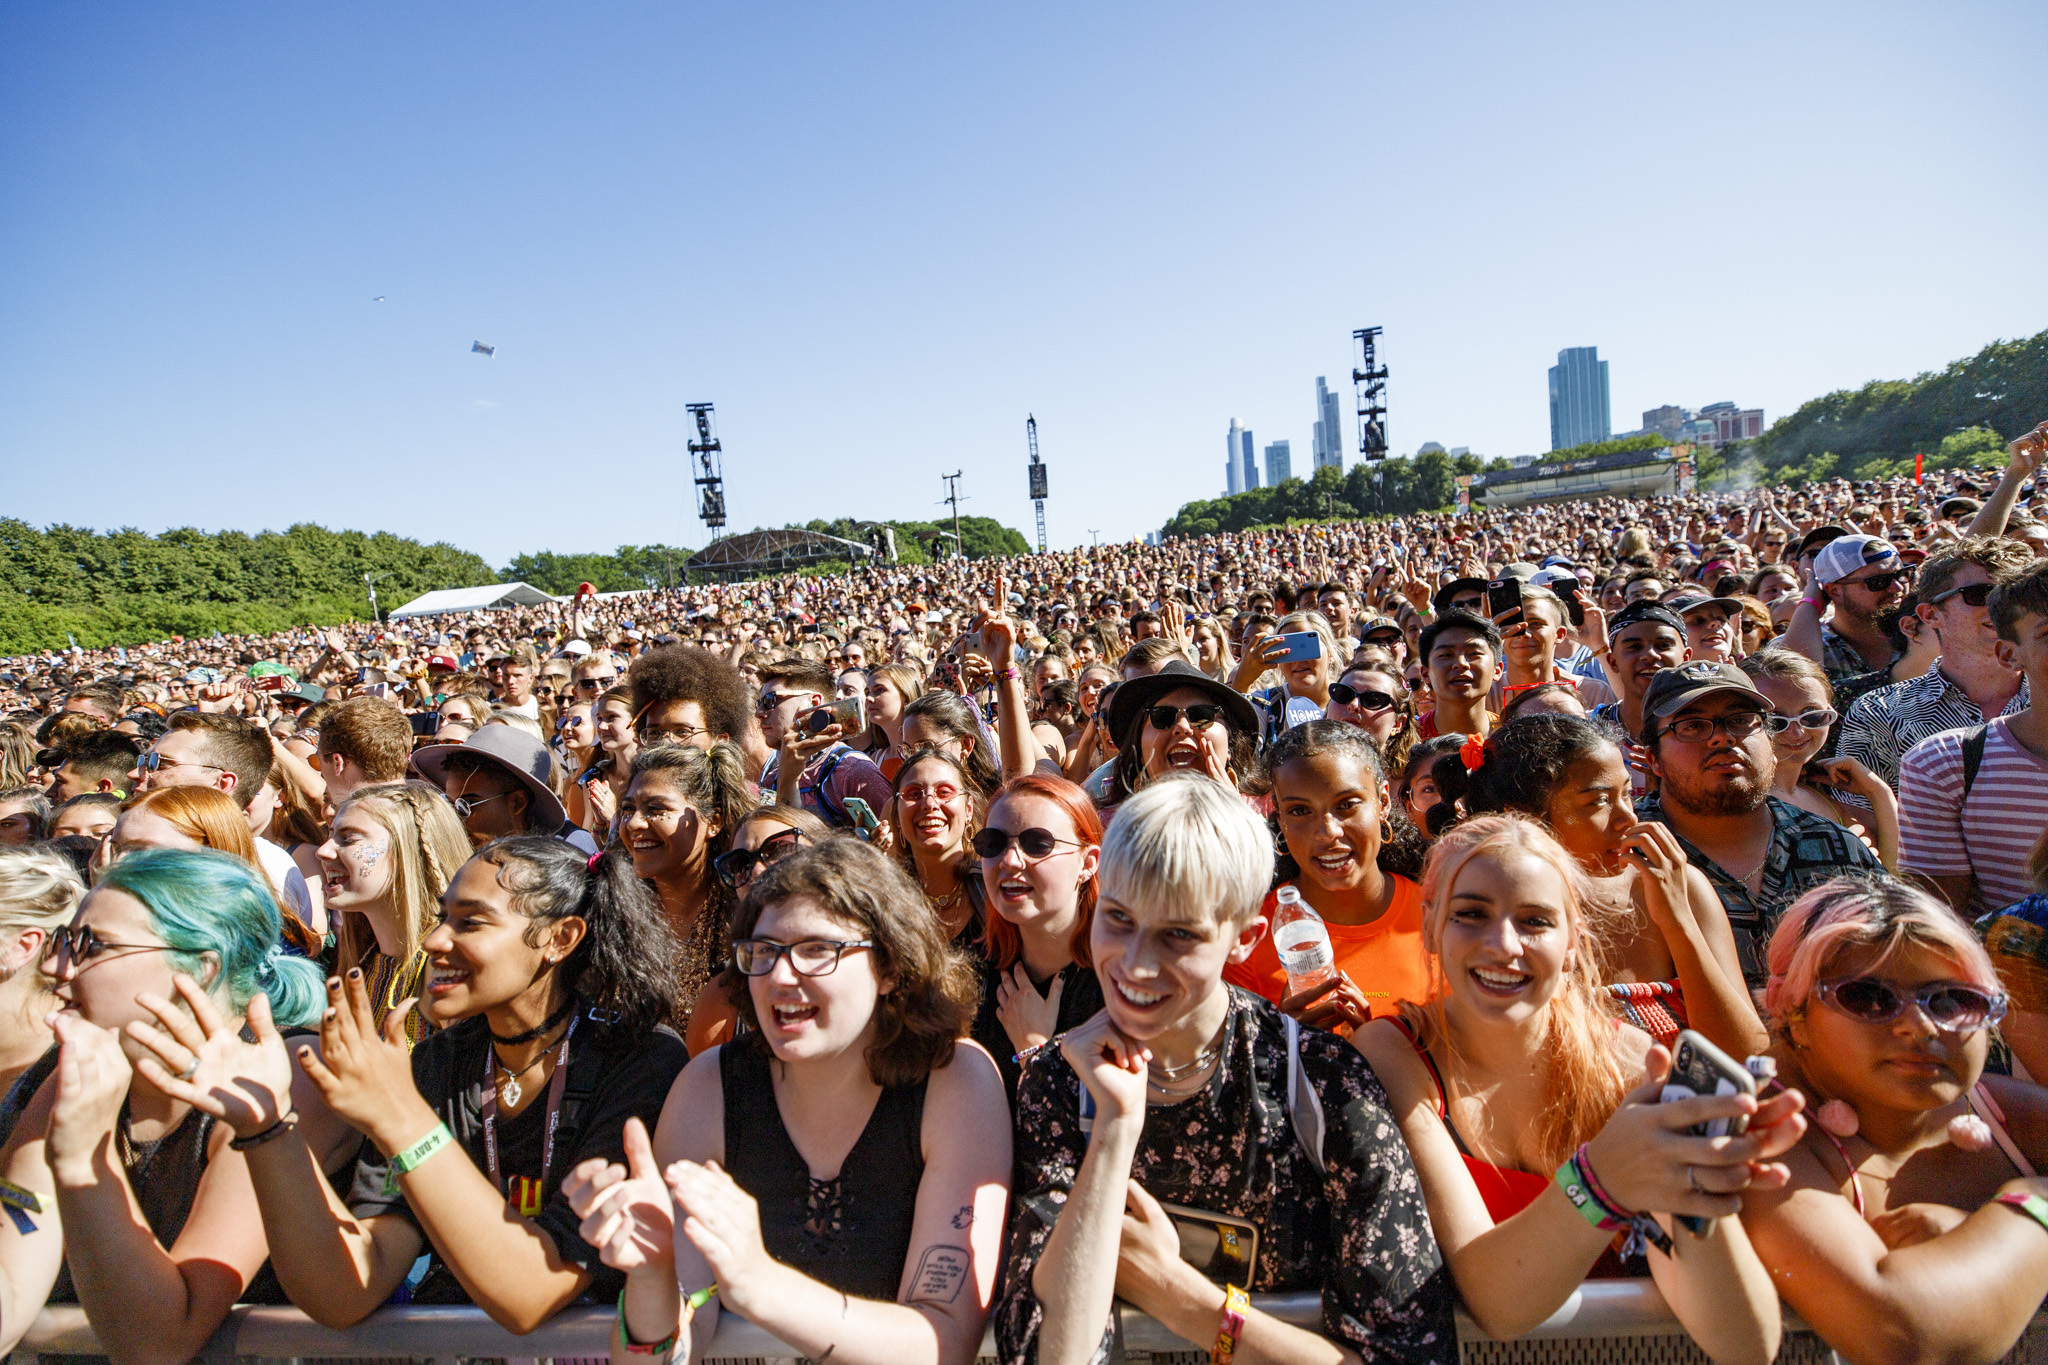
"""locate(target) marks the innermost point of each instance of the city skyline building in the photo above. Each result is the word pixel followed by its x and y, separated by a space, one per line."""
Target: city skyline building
pixel 1329 433
pixel 1715 425
pixel 1279 462
pixel 1230 476
pixel 1249 454
pixel 1579 413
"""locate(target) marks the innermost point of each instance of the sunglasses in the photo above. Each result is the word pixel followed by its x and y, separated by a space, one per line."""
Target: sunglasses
pixel 768 701
pixel 1374 700
pixel 1973 595
pixel 811 957
pixel 465 804
pixel 1036 843
pixel 1950 1005
pixel 736 867
pixel 1820 718
pixel 1200 716
pixel 595 684
pixel 1882 582
pixel 152 761
pixel 81 944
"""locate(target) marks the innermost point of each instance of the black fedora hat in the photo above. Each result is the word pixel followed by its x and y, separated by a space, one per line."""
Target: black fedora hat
pixel 1133 698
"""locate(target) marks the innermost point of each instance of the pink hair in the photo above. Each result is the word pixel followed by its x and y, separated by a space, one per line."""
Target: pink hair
pixel 1852 913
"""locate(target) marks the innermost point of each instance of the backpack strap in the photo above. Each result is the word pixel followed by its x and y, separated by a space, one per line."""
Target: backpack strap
pixel 1973 755
pixel 838 815
pixel 1304 1106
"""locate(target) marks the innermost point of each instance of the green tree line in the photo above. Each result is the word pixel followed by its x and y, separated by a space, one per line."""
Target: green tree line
pixel 1425 483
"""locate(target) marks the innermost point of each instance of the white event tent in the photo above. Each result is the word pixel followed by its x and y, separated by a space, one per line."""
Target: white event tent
pixel 494 595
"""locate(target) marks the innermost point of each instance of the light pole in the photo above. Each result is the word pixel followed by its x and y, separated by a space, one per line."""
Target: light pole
pixel 370 582
pixel 1097 535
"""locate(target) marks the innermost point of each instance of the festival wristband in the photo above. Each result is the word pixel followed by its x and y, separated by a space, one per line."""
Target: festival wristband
pixel 652 1348
pixel 1230 1326
pixel 2032 1205
pixel 1572 1181
pixel 698 1298
pixel 414 1156
pixel 1006 674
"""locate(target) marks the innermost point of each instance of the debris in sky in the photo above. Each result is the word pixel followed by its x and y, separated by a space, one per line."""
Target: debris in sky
pixel 378 299
pixel 479 348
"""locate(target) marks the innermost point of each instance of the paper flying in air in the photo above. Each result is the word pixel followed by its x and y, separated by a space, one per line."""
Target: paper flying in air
pixel 481 349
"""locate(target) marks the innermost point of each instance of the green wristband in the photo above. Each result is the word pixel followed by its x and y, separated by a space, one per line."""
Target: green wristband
pixel 412 1157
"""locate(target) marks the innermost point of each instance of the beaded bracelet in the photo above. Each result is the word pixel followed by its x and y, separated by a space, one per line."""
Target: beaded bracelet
pixel 414 1156
pixel 2032 1205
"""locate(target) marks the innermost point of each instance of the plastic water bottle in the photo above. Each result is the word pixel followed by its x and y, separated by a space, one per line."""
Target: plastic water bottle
pixel 1303 942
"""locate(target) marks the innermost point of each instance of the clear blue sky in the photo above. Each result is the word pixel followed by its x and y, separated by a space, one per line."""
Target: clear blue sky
pixel 876 236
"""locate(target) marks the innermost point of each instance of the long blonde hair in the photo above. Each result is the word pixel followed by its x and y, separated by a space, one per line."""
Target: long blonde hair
pixel 428 847
pixel 1585 1083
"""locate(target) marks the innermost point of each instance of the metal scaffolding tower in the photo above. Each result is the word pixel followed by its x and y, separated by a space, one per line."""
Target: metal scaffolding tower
pixel 1037 477
pixel 710 459
pixel 1371 378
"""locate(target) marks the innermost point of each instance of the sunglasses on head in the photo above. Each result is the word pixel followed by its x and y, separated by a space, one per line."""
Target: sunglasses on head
pixel 1372 699
pixel 737 867
pixel 1036 843
pixel 1951 1006
pixel 1200 716
pixel 1973 595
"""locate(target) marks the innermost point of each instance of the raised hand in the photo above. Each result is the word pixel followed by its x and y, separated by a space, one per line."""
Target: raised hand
pixel 1114 1069
pixel 627 1212
pixel 366 1076
pixel 1026 1016
pixel 92 1081
pixel 200 1058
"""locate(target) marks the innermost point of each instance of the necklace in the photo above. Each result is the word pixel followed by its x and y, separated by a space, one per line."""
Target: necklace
pixel 546 1026
pixel 510 1087
pixel 1155 1073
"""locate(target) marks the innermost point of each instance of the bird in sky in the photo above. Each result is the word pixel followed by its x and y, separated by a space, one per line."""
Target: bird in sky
pixel 478 348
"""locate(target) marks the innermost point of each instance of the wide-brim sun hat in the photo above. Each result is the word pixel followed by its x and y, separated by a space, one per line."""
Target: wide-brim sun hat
pixel 1139 695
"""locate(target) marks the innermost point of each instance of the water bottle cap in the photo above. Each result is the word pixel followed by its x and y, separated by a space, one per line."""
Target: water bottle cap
pixel 1287 895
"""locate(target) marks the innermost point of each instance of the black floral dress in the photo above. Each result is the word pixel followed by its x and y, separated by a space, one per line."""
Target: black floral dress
pixel 1358 1232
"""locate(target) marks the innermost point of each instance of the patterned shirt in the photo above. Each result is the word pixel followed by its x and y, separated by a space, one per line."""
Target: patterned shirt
pixel 1881 726
pixel 1358 1231
pixel 1841 659
pixel 1806 850
pixel 2017 939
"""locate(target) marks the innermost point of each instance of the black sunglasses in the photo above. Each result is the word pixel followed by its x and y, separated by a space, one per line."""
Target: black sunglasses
pixel 1036 843
pixel 1951 1005
pixel 1973 595
pixel 736 867
pixel 1374 700
pixel 1882 582
pixel 1200 716
pixel 81 944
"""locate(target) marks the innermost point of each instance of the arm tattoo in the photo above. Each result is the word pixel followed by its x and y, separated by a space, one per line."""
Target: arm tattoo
pixel 965 1218
pixel 941 1271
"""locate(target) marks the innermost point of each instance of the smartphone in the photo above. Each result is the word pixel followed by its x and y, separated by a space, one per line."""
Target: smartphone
pixel 424 723
pixel 848 713
pixel 1504 595
pixel 1700 1068
pixel 865 821
pixel 273 682
pixel 1301 646
pixel 1574 602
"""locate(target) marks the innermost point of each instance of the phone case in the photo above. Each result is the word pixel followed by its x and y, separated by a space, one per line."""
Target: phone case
pixel 1224 1249
pixel 1302 645
pixel 1700 1068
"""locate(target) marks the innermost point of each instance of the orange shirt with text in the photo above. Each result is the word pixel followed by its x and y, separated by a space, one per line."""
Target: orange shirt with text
pixel 1385 958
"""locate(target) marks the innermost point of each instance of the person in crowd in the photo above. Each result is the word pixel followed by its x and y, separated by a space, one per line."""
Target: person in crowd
pixel 1531 647
pixel 24 816
pixel 513 670
pixel 1713 625
pixel 1968 684
pixel 1708 738
pixel 1545 699
pixel 812 768
pixel 1670 958
pixel 499 781
pixel 891 689
pixel 1179 1092
pixel 1210 644
pixel 363 740
pixel 385 864
pixel 1914 1225
pixel 1461 650
pixel 1331 803
pixel 39 893
pixel 1038 851
pixel 593 675
pixel 298 826
pixel 761 837
pixel 1414 791
pixel 610 770
pixel 2016 937
pixel 685 695
pixel 1091 746
pixel 838 1173
pixel 91 814
pixel 1861 578
pixel 676 820
pixel 1303 691
pixel 576 748
pixel 1179 719
pixel 101 761
pixel 1373 697
pixel 461 716
pixel 941 719
pixel 1519 1067
pixel 936 810
pixel 1643 639
pixel 138 1203
pixel 200 817
pixel 549 980
pixel 1798 691
pixel 1968 824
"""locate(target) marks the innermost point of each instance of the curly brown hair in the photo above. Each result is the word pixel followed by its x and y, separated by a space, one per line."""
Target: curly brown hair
pixel 936 990
pixel 685 673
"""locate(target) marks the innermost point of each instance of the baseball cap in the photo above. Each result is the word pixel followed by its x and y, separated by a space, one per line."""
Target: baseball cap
pixel 1952 506
pixel 446 661
pixel 1817 537
pixel 1674 689
pixel 1645 610
pixel 1378 623
pixel 1442 600
pixel 1693 601
pixel 1844 555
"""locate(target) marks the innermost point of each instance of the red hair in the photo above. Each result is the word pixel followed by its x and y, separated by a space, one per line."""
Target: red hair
pixel 999 937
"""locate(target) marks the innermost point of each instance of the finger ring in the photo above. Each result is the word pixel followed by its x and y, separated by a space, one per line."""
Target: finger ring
pixel 1692 1178
pixel 189 1072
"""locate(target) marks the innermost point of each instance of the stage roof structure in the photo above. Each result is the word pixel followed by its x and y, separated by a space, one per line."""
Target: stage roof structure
pixel 490 597
pixel 753 553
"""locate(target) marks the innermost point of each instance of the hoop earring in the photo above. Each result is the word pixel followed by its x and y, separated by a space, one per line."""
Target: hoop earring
pixel 1386 831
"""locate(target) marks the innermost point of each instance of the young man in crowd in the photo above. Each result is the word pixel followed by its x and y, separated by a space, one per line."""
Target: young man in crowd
pixel 203 749
pixel 686 695
pixel 1713 625
pixel 102 761
pixel 1972 680
pixel 1862 579
pixel 1643 639
pixel 1462 651
pixel 1972 800
pixel 364 740
pixel 512 670
pixel 1530 649
pixel 1707 738
pixel 498 782
pixel 808 770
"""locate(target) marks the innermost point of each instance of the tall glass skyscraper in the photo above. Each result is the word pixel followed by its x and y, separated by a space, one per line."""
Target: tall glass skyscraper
pixel 1277 463
pixel 1250 458
pixel 1329 440
pixel 1230 447
pixel 1578 398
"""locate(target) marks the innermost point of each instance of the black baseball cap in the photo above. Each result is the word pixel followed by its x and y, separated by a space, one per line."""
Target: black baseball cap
pixel 1442 600
pixel 1674 689
pixel 1817 537
pixel 1645 610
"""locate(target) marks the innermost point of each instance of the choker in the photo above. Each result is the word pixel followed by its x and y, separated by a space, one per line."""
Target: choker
pixel 547 1026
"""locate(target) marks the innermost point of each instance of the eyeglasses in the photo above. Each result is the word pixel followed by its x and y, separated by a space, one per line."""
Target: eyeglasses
pixel 1737 725
pixel 736 867
pixel 811 957
pixel 1950 1006
pixel 80 944
pixel 1820 718
pixel 672 734
pixel 1035 843
pixel 465 804
pixel 152 760
pixel 1881 582
pixel 1200 716
pixel 1973 595
pixel 1346 695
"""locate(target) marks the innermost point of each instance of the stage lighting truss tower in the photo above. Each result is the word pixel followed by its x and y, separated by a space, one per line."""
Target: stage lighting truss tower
pixel 1370 377
pixel 1037 477
pixel 710 458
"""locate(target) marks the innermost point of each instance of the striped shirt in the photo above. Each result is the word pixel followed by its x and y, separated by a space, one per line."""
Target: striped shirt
pixel 1988 835
pixel 1880 726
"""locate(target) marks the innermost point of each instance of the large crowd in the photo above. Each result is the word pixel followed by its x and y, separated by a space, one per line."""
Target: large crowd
pixel 1424 913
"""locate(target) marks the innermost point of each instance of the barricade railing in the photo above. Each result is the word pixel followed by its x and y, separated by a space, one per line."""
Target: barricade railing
pixel 1622 1310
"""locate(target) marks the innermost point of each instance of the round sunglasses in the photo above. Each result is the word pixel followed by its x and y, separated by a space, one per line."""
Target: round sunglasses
pixel 737 867
pixel 1036 843
pixel 1371 700
pixel 1952 1006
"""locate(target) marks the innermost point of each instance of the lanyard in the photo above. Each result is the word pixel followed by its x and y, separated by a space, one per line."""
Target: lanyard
pixel 490 1108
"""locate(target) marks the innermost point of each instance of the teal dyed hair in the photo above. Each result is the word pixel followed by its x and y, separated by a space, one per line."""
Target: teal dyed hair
pixel 203 902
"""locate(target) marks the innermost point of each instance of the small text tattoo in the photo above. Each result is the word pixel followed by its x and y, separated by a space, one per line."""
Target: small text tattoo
pixel 940 1273
pixel 964 1218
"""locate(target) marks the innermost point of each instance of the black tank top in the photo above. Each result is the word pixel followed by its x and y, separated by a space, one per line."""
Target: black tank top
pixel 851 1232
